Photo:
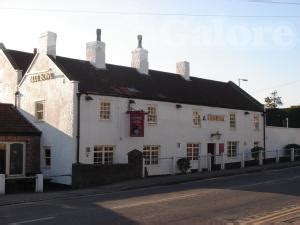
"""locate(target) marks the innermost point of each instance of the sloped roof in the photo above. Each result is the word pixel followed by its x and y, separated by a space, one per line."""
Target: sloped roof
pixel 127 82
pixel 12 122
pixel 19 60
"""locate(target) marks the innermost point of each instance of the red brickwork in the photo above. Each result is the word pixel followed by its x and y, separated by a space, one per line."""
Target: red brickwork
pixel 32 151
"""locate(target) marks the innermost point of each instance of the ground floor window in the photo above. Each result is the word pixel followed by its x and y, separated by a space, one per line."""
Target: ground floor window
pixel 47 157
pixel 232 148
pixel 192 151
pixel 103 154
pixel 12 158
pixel 151 154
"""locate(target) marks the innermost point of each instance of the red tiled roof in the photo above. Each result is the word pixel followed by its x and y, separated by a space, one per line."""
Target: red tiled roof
pixel 12 122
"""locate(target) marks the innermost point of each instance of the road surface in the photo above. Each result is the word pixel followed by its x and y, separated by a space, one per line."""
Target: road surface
pixel 258 198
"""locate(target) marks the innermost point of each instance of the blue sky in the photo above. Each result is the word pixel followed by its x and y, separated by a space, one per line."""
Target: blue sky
pixel 223 39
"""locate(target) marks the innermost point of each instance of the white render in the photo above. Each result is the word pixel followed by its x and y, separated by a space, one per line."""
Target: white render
pixel 47 43
pixel 9 79
pixel 140 60
pixel 174 126
pixel 58 128
pixel 278 137
pixel 95 53
pixel 183 68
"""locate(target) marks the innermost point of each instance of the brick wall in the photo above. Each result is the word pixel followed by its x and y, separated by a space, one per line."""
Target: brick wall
pixel 32 151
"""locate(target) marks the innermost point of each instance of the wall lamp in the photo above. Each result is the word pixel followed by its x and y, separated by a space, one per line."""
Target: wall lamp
pixel 88 98
pixel 246 113
pixel 217 135
pixel 178 106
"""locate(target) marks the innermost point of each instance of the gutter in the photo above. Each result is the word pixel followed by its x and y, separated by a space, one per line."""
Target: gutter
pixel 78 127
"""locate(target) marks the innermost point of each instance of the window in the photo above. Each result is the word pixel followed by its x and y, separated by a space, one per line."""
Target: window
pixel 256 122
pixel 196 118
pixel 232 120
pixel 152 115
pixel 12 158
pixel 192 151
pixel 232 148
pixel 40 110
pixel 103 154
pixel 47 156
pixel 151 154
pixel 105 110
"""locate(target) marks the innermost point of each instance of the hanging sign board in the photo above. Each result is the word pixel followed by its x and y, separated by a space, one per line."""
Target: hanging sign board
pixel 136 123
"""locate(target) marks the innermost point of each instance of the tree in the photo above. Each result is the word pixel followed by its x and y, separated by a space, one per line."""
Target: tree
pixel 273 101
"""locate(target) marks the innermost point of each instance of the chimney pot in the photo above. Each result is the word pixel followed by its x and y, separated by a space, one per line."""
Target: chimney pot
pixel 2 46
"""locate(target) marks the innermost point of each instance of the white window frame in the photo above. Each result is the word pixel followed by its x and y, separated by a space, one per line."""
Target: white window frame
pixel 256 121
pixel 36 112
pixel 45 166
pixel 232 120
pixel 193 147
pixel 7 156
pixel 105 111
pixel 150 159
pixel 231 152
pixel 152 114
pixel 196 118
pixel 102 155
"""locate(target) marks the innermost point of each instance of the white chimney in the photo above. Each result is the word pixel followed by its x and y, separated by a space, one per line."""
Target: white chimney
pixel 48 43
pixel 95 52
pixel 140 58
pixel 183 68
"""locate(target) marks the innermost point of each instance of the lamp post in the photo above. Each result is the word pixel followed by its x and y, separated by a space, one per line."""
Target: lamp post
pixel 241 79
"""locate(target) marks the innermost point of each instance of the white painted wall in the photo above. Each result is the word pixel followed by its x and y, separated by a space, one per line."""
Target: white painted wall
pixel 58 129
pixel 278 137
pixel 174 126
pixel 9 78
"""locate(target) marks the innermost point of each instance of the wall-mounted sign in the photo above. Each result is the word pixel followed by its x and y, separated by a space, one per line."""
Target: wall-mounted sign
pixel 136 123
pixel 48 75
pixel 212 117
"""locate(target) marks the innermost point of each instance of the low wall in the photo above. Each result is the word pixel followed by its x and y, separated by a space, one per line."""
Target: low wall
pixel 278 137
pixel 87 175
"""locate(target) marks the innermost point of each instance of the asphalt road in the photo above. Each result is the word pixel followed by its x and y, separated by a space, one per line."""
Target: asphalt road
pixel 257 198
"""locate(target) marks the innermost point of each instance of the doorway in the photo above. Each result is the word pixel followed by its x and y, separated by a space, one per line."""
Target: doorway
pixel 2 158
pixel 211 148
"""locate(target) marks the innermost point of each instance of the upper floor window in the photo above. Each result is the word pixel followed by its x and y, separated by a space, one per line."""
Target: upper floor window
pixel 151 154
pixel 105 110
pixel 103 154
pixel 192 151
pixel 40 110
pixel 232 148
pixel 256 121
pixel 232 120
pixel 152 115
pixel 196 118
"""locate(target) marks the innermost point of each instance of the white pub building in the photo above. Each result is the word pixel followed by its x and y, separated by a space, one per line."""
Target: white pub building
pixel 91 112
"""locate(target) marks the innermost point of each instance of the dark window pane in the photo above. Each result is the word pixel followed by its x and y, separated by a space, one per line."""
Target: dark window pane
pixel 16 159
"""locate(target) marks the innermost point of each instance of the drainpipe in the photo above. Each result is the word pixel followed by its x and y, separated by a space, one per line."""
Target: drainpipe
pixel 78 126
pixel 265 129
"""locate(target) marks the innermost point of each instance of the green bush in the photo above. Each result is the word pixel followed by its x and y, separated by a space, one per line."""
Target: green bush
pixel 255 152
pixel 183 164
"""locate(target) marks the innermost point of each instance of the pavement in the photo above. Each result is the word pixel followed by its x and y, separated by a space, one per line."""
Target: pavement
pixel 261 197
pixel 12 199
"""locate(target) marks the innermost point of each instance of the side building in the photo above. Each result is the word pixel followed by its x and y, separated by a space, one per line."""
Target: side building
pixel 91 112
